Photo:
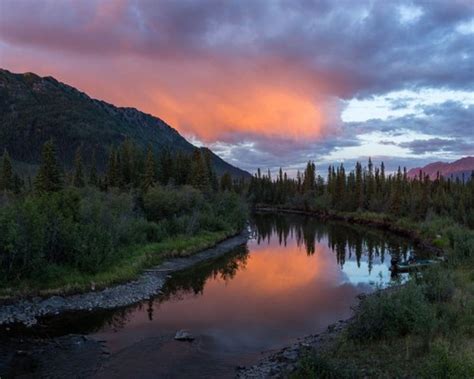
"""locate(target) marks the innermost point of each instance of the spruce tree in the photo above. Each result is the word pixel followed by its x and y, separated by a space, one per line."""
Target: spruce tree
pixel 93 178
pixel 309 180
pixel 78 178
pixel 214 182
pixel 359 186
pixel 226 182
pixel 6 173
pixel 49 177
pixel 149 176
pixel 126 162
pixel 113 175
pixel 200 176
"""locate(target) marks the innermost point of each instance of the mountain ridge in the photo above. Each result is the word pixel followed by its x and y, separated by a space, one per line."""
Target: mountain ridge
pixel 456 169
pixel 34 109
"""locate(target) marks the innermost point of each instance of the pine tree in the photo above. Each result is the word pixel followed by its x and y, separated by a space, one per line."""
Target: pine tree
pixel 113 176
pixel 78 179
pixel 226 182
pixel 214 182
pixel 359 186
pixel 370 184
pixel 7 181
pixel 200 176
pixel 49 178
pixel 309 181
pixel 149 177
pixel 93 178
pixel 182 169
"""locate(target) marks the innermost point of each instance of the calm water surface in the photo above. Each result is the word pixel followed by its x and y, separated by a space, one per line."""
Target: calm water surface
pixel 295 276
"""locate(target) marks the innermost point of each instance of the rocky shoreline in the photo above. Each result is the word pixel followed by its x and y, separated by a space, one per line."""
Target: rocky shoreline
pixel 285 361
pixel 149 284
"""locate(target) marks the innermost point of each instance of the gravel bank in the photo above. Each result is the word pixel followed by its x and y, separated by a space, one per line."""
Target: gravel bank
pixel 149 284
pixel 283 362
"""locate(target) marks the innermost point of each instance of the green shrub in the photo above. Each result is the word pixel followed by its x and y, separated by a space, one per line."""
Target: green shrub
pixel 462 243
pixel 165 202
pixel 444 362
pixel 317 366
pixel 79 229
pixel 86 230
pixel 392 313
pixel 438 284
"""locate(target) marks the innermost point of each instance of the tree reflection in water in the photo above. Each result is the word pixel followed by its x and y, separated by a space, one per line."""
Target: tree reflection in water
pixel 354 248
pixel 344 239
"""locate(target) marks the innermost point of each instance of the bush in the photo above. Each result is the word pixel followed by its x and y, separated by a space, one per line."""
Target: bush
pixel 86 229
pixel 82 229
pixel 162 203
pixel 184 210
pixel 391 314
pixel 462 244
pixel 314 365
pixel 438 284
pixel 443 362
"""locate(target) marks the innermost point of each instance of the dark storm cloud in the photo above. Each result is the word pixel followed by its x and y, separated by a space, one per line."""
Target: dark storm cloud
pixel 449 119
pixel 251 72
pixel 364 47
pixel 434 145
pixel 270 154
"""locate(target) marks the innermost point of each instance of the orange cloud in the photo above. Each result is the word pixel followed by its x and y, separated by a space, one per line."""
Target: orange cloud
pixel 257 109
pixel 209 98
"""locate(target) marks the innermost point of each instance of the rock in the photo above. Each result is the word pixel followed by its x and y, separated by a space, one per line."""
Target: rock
pixel 183 335
pixel 291 355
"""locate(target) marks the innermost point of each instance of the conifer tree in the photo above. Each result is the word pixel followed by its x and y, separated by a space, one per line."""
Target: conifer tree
pixel 226 182
pixel 126 163
pixel 309 181
pixel 149 177
pixel 210 171
pixel 370 184
pixel 359 186
pixel 49 177
pixel 113 169
pixel 7 181
pixel 78 178
pixel 200 176
pixel 93 177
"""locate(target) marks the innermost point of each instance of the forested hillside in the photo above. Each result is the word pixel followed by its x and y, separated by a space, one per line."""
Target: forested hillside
pixel 34 110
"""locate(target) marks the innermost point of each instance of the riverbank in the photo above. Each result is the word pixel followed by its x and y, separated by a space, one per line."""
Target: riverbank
pixel 130 264
pixel 422 329
pixel 149 283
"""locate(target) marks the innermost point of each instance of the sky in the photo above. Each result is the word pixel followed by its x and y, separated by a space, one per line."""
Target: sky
pixel 268 83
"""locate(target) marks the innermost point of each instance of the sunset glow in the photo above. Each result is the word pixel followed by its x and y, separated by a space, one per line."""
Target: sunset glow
pixel 273 77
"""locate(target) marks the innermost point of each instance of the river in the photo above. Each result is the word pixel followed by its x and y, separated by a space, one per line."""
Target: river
pixel 294 277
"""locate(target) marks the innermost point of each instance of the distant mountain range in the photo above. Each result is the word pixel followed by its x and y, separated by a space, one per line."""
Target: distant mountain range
pixel 34 109
pixel 456 169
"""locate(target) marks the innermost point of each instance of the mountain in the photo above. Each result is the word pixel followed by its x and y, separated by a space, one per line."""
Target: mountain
pixel 34 109
pixel 456 169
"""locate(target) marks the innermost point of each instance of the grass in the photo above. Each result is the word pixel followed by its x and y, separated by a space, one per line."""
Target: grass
pixel 133 260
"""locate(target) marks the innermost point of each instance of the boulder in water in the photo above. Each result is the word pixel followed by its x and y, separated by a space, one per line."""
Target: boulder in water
pixel 183 335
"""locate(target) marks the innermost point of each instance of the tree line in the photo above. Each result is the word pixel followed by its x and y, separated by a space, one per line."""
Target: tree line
pixel 128 167
pixel 367 188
